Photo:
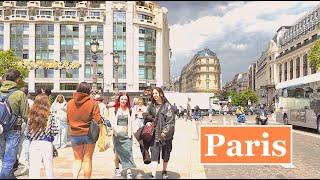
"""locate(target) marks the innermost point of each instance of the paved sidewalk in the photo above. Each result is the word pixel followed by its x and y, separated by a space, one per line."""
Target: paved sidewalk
pixel 184 161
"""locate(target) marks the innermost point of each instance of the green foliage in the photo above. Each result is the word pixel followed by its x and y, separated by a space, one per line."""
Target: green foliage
pixel 243 97
pixel 314 55
pixel 8 60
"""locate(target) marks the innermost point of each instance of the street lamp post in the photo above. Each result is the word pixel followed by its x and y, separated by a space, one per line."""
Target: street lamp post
pixel 94 49
pixel 100 74
pixel 116 63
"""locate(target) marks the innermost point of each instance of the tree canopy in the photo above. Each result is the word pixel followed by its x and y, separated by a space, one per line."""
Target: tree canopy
pixel 243 97
pixel 314 55
pixel 8 60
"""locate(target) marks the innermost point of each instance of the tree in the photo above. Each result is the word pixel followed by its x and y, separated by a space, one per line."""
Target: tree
pixel 242 98
pixel 314 55
pixel 248 95
pixel 8 60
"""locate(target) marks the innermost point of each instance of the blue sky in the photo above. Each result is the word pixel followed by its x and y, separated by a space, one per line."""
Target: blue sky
pixel 237 31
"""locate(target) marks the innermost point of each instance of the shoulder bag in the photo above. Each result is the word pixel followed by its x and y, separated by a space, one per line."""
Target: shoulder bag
pixel 148 131
pixel 94 128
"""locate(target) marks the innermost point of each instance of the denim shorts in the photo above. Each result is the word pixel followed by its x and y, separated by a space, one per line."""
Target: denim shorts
pixel 79 140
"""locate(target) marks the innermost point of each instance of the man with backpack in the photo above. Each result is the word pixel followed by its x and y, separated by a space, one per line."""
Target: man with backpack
pixel 14 111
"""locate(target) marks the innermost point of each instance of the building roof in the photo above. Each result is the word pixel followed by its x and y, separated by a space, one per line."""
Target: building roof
pixel 205 53
pixel 283 27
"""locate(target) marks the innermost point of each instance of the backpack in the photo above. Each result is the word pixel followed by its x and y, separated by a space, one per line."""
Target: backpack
pixel 7 118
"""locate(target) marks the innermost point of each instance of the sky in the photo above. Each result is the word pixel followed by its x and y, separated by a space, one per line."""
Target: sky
pixel 237 31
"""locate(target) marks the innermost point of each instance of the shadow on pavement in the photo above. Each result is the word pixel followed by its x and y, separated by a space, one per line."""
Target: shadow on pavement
pixel 140 174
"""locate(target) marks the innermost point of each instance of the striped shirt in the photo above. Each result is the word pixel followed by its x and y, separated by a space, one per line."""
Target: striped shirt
pixel 46 134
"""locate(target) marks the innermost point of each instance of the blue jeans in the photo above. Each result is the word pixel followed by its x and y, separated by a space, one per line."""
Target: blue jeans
pixel 80 140
pixel 10 144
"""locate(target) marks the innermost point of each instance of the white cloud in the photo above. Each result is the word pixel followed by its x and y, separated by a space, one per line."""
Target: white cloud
pixel 232 46
pixel 186 38
pixel 190 36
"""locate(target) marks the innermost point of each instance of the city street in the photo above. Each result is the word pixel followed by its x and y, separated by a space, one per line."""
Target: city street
pixel 184 162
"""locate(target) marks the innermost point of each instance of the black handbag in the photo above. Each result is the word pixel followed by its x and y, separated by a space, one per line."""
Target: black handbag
pixel 148 131
pixel 94 128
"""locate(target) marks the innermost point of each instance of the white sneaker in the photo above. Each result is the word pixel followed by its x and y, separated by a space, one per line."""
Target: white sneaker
pixel 129 175
pixel 117 172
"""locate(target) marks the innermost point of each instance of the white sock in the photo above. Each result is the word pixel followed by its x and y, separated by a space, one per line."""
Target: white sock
pixel 128 171
pixel 153 167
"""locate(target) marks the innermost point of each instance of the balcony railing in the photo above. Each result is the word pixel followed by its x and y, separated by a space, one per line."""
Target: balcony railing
pixel 94 19
pixel 19 17
pixel 45 17
pixel 69 18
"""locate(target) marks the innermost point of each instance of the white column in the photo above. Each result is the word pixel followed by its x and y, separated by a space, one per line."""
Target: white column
pixel 81 51
pixel 159 59
pixel 130 60
pixel 287 71
pixel 301 65
pixel 56 52
pixel 275 73
pixel 32 56
pixel 309 66
pixel 294 68
pixel 136 58
pixel 6 37
pixel 108 48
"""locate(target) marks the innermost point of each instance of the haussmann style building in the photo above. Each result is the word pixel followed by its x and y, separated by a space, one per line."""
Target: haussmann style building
pixel 202 73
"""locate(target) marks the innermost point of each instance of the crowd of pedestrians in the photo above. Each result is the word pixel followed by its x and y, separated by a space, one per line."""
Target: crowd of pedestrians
pixel 40 128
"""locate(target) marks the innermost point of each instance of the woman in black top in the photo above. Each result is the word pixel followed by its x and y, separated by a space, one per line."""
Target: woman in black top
pixel 160 112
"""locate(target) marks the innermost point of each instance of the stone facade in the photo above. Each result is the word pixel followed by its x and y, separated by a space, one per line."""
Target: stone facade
pixel 201 74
